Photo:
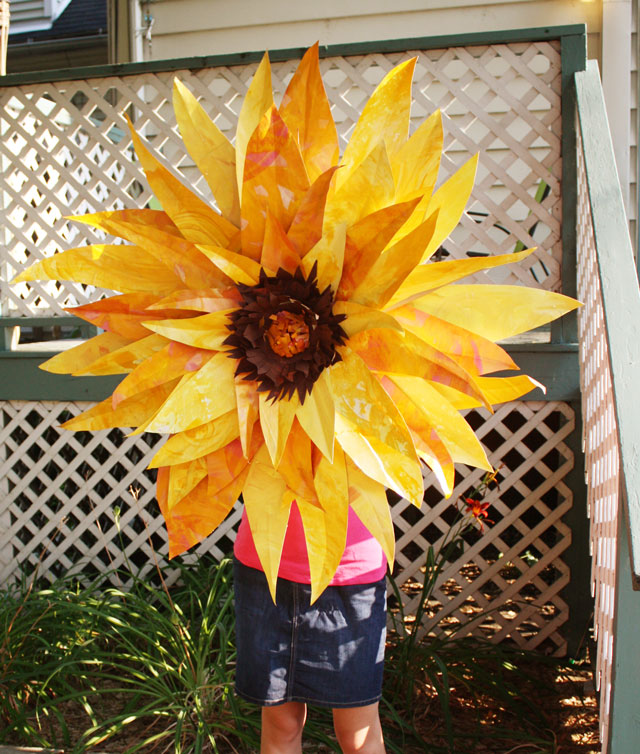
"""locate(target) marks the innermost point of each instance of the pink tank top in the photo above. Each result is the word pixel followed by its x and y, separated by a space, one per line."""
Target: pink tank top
pixel 363 561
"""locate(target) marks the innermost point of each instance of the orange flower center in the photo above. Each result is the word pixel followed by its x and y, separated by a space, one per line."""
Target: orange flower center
pixel 288 334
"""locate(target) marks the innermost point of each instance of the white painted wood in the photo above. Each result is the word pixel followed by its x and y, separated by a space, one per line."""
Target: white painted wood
pixel 616 82
pixel 602 463
pixel 35 15
pixel 205 27
pixel 66 150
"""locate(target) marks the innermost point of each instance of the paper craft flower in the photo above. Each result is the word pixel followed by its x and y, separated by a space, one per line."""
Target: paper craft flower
pixel 296 343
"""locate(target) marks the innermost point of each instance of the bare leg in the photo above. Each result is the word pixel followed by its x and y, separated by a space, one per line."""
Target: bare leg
pixel 282 728
pixel 358 730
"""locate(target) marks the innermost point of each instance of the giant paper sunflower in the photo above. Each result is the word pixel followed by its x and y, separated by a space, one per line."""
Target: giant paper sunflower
pixel 296 343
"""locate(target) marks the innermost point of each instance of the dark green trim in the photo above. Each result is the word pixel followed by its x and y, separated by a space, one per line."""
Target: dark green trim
pixel 573 56
pixel 577 593
pixel 21 379
pixel 63 321
pixel 619 284
pixel 242 58
pixel 557 368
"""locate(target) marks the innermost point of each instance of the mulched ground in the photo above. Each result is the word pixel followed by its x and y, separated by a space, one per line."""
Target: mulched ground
pixel 565 696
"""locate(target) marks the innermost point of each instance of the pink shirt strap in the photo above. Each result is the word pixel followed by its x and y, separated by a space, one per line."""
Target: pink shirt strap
pixel 363 561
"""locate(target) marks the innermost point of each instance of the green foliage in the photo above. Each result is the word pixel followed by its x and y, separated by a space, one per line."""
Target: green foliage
pixel 150 668
pixel 154 655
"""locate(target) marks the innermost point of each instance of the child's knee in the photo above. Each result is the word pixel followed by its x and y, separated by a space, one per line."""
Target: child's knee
pixel 285 721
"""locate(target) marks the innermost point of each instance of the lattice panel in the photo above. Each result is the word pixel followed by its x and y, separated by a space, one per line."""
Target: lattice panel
pixel 65 150
pixel 601 444
pixel 63 490
pixel 80 500
pixel 515 571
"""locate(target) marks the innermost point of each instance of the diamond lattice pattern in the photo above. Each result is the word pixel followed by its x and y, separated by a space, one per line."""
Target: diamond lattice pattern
pixel 66 150
pixel 86 501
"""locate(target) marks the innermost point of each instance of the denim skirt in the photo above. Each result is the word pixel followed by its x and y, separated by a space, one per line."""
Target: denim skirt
pixel 328 654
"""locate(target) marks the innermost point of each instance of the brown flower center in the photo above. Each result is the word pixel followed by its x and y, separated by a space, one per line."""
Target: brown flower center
pixel 285 333
pixel 288 334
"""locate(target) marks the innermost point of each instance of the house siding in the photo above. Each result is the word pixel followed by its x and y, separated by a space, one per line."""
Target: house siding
pixel 209 27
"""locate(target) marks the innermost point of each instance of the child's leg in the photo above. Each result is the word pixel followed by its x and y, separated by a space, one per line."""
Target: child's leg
pixel 282 728
pixel 358 730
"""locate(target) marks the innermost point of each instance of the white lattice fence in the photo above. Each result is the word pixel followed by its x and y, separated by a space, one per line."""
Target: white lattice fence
pixel 65 149
pixel 601 443
pixel 68 504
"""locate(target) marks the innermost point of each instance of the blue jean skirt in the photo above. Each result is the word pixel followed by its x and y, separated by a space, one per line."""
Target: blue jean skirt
pixel 328 654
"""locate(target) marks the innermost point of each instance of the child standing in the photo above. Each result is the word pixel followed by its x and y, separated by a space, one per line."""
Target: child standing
pixel 328 654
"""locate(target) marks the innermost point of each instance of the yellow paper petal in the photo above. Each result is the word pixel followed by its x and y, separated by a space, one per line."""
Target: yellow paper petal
pixel 183 477
pixel 197 514
pixel 239 268
pixel 129 413
pixel 368 188
pixel 207 331
pixel 390 269
pixel 276 418
pixel 277 250
pixel 84 354
pixel 495 311
pixel 368 499
pixel 453 430
pixel 317 416
pixel 275 180
pixel 361 318
pixel 362 402
pixel 307 112
pixel 193 402
pixel 385 116
pixel 257 101
pixel 200 300
pixel 296 467
pixel 325 528
pixel 434 453
pixel 472 352
pixel 128 269
pixel 306 227
pixel 123 314
pixel 126 358
pixel 393 353
pixel 429 276
pixel 496 390
pixel 212 152
pixel 198 442
pixel 268 510
pixel 328 255
pixel 248 410
pixel 180 256
pixel 449 201
pixel 172 361
pixel 197 222
pixel 151 218
pixel 415 164
pixel 226 464
pixel 367 239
